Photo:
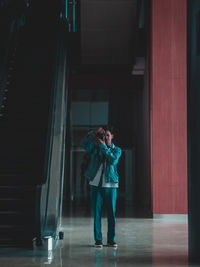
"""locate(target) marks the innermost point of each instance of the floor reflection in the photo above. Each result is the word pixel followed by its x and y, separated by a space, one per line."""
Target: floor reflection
pixel 100 257
pixel 141 242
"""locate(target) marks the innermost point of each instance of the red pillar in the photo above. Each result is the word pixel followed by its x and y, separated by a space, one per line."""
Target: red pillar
pixel 169 106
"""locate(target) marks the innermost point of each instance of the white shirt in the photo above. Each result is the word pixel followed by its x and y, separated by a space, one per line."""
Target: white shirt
pixel 97 178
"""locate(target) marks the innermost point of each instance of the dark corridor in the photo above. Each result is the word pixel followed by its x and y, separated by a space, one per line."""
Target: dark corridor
pixel 109 84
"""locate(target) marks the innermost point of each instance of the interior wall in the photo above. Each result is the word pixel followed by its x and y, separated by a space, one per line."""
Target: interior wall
pixel 169 106
pixel 143 193
pixel 193 128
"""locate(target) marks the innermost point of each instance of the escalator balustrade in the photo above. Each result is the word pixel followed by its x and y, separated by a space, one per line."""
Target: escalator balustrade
pixel 32 132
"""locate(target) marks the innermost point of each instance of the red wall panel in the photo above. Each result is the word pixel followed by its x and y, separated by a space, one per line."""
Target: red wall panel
pixel 169 106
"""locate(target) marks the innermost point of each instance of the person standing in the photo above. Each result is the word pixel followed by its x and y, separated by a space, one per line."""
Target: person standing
pixel 103 179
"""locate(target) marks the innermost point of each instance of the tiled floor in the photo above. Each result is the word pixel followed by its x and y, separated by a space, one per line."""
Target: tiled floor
pixel 141 242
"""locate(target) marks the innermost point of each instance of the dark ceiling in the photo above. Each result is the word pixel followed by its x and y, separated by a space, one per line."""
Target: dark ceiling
pixel 109 33
pixel 107 29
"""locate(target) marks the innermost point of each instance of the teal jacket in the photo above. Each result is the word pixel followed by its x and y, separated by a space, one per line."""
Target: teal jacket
pixel 99 152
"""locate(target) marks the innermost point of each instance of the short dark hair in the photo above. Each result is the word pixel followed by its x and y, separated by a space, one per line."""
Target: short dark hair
pixel 108 128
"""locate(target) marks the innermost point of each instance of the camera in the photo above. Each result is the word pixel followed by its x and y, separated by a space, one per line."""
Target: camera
pixel 100 136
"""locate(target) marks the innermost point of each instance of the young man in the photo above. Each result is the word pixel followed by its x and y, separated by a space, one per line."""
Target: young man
pixel 103 179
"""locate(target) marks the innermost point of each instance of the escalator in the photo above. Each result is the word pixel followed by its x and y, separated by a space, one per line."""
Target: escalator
pixel 33 98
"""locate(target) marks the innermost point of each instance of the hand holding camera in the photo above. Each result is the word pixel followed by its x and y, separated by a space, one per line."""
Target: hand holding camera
pixel 100 135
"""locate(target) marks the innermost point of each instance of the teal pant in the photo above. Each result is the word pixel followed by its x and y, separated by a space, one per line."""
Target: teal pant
pixel 97 196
